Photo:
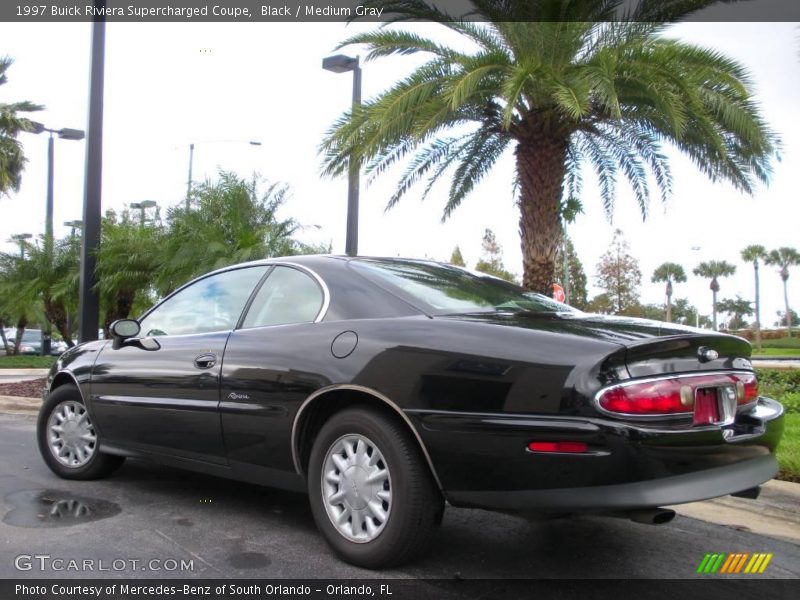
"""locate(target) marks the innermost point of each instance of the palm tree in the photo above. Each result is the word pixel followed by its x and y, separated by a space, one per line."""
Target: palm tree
pixel 560 94
pixel 12 158
pixel 784 258
pixel 713 269
pixel 230 221
pixel 754 253
pixel 669 272
pixel 128 261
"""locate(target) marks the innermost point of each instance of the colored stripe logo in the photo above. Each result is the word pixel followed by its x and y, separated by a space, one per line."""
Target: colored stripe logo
pixel 733 563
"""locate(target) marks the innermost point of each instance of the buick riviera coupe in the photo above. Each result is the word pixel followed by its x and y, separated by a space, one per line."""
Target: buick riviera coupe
pixel 385 387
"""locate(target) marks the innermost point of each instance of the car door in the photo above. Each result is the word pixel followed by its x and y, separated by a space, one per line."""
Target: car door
pixel 160 392
pixel 273 361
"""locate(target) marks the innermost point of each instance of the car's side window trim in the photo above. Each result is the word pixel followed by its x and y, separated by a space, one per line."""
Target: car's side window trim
pixel 252 297
pixel 323 287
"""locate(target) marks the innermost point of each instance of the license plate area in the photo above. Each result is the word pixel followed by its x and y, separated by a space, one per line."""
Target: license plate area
pixel 715 405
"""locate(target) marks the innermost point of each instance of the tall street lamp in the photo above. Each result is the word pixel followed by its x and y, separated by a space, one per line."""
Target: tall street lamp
pixel 64 134
pixel 20 239
pixel 191 160
pixel 143 206
pixel 341 63
pixel 74 224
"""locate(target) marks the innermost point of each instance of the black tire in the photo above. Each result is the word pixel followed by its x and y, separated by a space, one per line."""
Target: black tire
pixel 416 504
pixel 98 465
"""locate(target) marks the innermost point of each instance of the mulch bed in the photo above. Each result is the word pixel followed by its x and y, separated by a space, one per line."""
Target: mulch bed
pixel 29 389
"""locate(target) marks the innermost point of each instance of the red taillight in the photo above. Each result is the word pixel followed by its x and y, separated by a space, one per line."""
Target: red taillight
pixel 569 447
pixel 675 395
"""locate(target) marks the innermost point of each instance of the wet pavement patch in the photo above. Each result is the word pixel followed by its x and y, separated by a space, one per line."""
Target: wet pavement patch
pixel 248 560
pixel 55 508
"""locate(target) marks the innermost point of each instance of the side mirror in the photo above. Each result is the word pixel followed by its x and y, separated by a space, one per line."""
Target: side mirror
pixel 123 329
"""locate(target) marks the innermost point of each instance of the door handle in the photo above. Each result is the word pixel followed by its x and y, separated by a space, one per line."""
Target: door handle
pixel 205 361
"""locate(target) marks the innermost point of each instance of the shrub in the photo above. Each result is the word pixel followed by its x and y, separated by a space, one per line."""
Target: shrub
pixel 781 384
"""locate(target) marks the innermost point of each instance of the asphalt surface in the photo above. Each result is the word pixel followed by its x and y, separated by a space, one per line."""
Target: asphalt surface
pixel 229 529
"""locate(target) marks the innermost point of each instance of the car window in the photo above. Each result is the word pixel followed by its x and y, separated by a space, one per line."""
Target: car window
pixel 287 296
pixel 445 289
pixel 214 303
pixel 32 335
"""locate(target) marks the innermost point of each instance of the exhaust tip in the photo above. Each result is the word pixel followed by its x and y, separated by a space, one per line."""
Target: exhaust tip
pixel 652 516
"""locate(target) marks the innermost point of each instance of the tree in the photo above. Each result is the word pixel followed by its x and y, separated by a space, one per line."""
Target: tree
pixel 618 274
pixel 230 221
pixel 560 93
pixel 48 274
pixel 456 258
pixel 686 314
pixel 129 260
pixel 577 276
pixel 669 272
pixel 754 253
pixel 20 303
pixel 491 261
pixel 784 258
pixel 600 304
pixel 713 270
pixel 737 308
pixel 12 157
pixel 793 318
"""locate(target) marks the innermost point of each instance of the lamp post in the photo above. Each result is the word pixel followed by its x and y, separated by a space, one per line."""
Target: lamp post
pixel 143 206
pixel 191 160
pixel 89 299
pixel 75 224
pixel 64 134
pixel 20 239
pixel 341 63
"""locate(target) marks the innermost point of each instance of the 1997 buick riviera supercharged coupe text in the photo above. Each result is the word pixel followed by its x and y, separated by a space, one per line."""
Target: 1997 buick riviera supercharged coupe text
pixel 384 387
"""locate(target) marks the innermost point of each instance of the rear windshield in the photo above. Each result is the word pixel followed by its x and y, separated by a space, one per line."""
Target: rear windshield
pixel 445 289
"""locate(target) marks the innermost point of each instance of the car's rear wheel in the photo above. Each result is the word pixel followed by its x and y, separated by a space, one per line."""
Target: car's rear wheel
pixel 372 495
pixel 67 439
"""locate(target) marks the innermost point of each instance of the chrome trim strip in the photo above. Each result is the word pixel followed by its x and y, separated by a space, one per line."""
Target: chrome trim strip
pixel 371 392
pixel 680 415
pixel 326 294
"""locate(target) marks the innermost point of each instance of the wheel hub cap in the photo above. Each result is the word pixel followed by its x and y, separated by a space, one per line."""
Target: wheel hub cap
pixel 71 437
pixel 356 488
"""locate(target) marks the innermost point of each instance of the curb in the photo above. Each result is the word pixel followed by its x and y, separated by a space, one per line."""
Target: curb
pixel 20 404
pixel 25 372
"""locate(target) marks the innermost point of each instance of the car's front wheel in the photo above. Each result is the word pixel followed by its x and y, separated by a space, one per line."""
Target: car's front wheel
pixel 372 495
pixel 67 439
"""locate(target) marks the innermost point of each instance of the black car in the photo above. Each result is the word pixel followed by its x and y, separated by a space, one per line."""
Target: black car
pixel 384 387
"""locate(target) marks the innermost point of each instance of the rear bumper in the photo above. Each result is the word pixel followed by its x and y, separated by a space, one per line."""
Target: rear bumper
pixel 482 459
pixel 679 489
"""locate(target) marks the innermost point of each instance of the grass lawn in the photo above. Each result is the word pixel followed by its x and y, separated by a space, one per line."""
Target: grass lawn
pixel 778 352
pixel 27 362
pixel 789 449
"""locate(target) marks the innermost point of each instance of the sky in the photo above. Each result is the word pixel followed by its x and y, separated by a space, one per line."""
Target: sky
pixel 221 85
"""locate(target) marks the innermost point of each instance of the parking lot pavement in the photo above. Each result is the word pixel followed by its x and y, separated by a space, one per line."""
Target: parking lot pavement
pixel 220 528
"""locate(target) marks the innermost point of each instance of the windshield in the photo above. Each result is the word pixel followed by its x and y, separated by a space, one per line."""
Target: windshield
pixel 445 289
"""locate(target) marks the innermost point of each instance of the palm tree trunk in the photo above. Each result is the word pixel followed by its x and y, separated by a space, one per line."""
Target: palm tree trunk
pixel 669 307
pixel 758 308
pixel 714 309
pixel 56 313
pixel 788 312
pixel 540 169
